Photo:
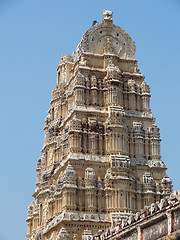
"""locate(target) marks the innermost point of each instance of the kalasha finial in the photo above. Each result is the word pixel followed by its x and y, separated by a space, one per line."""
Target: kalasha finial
pixel 107 16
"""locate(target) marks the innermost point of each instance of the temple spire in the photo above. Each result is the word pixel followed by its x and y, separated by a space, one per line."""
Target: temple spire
pixel 101 159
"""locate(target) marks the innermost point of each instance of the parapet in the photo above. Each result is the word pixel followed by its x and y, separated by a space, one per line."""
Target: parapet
pixel 157 221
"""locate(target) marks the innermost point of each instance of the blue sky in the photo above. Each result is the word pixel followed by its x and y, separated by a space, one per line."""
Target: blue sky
pixel 33 36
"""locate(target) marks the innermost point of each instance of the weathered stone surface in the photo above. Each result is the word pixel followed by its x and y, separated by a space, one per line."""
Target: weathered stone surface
pixel 101 158
pixel 161 223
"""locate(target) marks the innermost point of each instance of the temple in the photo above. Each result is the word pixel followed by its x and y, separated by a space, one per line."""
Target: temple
pixel 101 159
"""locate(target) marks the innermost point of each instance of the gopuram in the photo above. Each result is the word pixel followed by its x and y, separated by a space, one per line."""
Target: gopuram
pixel 101 159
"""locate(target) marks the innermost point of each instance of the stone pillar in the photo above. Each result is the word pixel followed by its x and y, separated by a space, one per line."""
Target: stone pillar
pixel 38 174
pixel 155 148
pixel 85 142
pixel 71 141
pixel 64 199
pixel 170 221
pixel 100 144
pixel 120 94
pixel 107 199
pixel 56 206
pixel 146 145
pixel 29 225
pixel 94 97
pixel 80 203
pixel 100 201
pixel 140 234
pixel 79 142
pixel 106 97
pixel 87 97
pixel 60 203
pixel 125 143
pixel 107 144
pixel 138 105
pixel 125 97
pixel 138 201
pixel 100 100
pixel 116 199
pixel 115 96
pixel 90 200
pixel 145 103
pixel 75 139
pixel 132 101
pixel 125 199
pixel 122 199
pixel 93 143
pixel 115 142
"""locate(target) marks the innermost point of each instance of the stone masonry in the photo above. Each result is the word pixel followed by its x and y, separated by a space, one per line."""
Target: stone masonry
pixel 101 159
pixel 159 221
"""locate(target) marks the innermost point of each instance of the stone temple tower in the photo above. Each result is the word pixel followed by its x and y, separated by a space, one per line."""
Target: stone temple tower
pixel 101 155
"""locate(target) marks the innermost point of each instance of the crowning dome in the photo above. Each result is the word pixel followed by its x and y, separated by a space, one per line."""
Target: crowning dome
pixel 99 37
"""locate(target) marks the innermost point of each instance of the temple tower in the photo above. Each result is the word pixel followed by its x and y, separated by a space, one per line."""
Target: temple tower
pixel 101 157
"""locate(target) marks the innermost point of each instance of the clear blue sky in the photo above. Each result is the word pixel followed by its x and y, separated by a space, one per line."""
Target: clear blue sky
pixel 33 36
